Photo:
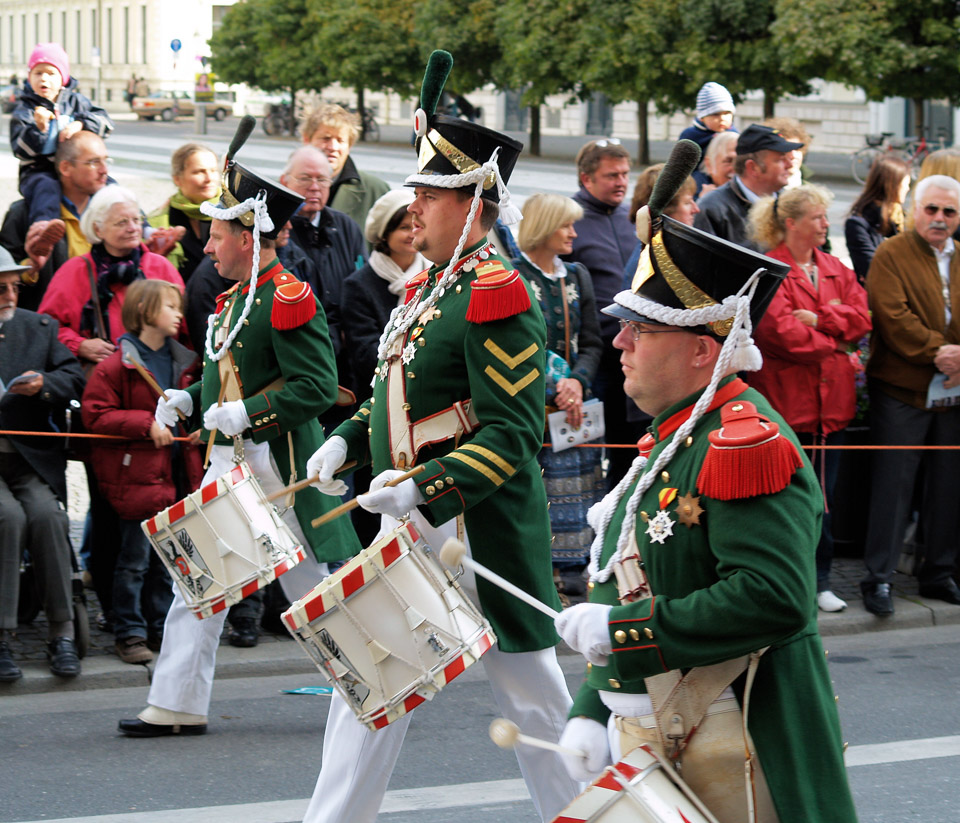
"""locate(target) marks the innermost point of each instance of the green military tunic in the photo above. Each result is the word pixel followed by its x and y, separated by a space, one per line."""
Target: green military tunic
pixel 491 477
pixel 301 359
pixel 734 576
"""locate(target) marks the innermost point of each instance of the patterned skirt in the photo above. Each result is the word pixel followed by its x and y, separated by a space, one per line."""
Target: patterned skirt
pixel 574 482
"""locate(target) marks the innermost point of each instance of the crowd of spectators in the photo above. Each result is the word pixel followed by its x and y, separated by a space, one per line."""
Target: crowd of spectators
pixel 102 295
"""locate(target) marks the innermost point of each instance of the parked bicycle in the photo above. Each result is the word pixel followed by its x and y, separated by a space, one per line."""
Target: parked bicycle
pixel 278 118
pixel 912 150
pixel 371 128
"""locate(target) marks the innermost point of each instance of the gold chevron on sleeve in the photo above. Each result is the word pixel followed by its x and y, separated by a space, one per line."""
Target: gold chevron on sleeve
pixel 511 388
pixel 491 457
pixel 476 465
pixel 506 359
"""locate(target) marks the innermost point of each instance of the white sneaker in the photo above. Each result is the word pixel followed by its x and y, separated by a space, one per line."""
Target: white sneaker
pixel 829 602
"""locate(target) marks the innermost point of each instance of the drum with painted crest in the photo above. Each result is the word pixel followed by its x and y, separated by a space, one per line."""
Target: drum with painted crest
pixel 641 788
pixel 223 542
pixel 390 628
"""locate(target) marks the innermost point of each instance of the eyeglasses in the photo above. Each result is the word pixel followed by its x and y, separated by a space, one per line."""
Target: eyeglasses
pixel 948 211
pixel 307 180
pixel 610 141
pixel 637 331
pixel 14 288
pixel 96 162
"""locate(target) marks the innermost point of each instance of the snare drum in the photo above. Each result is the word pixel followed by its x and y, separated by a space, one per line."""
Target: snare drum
pixel 390 628
pixel 223 542
pixel 641 788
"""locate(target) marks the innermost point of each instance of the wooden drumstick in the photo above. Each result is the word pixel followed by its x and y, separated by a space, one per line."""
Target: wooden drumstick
pixel 350 505
pixel 213 432
pixel 506 734
pixel 302 484
pixel 151 382
pixel 454 553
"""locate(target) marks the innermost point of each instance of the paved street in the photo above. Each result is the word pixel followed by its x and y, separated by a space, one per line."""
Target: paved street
pixel 61 760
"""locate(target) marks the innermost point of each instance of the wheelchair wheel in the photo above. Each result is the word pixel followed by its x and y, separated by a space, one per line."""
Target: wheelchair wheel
pixel 81 627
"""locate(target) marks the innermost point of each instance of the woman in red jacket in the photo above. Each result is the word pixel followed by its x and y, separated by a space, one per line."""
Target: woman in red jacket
pixel 805 336
pixel 149 472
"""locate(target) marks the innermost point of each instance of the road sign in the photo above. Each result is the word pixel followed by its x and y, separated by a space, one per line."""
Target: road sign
pixel 175 45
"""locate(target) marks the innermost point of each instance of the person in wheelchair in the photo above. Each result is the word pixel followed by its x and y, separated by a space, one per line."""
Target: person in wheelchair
pixel 38 379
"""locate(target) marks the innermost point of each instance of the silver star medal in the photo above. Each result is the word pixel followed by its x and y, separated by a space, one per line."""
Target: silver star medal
pixel 409 352
pixel 660 527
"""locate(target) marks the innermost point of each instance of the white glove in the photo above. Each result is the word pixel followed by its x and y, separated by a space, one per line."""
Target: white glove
pixel 395 501
pixel 584 628
pixel 231 418
pixel 325 462
pixel 166 413
pixel 590 737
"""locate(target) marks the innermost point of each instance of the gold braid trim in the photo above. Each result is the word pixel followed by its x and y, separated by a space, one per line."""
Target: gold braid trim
pixel 461 161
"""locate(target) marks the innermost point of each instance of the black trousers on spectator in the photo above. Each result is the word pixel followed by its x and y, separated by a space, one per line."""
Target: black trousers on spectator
pixel 894 474
pixel 608 386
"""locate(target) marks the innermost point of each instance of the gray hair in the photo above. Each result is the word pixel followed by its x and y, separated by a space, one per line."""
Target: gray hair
pixel 306 151
pixel 98 207
pixel 719 143
pixel 936 181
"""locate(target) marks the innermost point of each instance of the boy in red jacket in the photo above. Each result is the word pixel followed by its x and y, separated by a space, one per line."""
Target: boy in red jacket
pixel 149 472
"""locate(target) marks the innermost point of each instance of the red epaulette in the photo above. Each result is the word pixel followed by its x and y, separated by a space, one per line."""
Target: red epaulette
pixel 222 298
pixel 415 283
pixel 293 304
pixel 747 457
pixel 497 293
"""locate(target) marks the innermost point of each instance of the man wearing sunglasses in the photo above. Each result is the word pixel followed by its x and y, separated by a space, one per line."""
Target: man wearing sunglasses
pixel 914 291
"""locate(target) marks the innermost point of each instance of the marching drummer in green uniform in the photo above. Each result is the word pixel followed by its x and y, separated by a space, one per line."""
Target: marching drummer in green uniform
pixel 459 390
pixel 702 610
pixel 268 372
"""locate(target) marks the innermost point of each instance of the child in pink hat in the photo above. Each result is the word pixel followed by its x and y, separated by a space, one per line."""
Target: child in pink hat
pixel 51 110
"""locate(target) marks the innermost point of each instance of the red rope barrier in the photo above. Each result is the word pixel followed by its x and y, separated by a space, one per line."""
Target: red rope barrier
pixel 80 434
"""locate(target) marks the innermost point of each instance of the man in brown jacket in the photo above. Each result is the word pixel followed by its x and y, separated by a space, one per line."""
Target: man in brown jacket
pixel 914 291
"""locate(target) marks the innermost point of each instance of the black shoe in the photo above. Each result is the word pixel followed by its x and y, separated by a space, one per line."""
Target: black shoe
pixel 244 632
pixel 9 671
pixel 64 661
pixel 877 599
pixel 137 728
pixel 949 592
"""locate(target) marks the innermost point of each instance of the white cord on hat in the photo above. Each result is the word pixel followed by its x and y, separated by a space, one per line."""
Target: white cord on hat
pixel 261 220
pixel 730 357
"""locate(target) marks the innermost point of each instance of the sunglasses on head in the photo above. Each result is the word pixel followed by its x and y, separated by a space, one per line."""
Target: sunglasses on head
pixel 948 211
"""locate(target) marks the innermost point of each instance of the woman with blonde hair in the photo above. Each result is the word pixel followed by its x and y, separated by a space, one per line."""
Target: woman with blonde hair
pixel 816 313
pixel 573 477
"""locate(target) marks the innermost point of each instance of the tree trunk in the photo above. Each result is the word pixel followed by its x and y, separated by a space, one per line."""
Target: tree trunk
pixel 292 118
pixel 643 134
pixel 769 102
pixel 360 112
pixel 919 125
pixel 535 131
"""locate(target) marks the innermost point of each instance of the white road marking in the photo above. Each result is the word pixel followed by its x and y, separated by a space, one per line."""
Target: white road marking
pixel 463 795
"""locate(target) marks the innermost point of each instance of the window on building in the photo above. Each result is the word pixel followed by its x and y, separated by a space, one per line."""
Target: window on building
pixel 12 54
pixel 126 35
pixel 36 29
pixel 109 35
pixel 23 39
pixel 94 33
pixel 143 34
pixel 63 31
pixel 79 55
pixel 50 26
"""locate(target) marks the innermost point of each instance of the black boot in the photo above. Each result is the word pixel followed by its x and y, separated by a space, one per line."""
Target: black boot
pixel 9 671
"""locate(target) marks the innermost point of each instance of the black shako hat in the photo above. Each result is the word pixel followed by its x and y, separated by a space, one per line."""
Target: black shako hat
pixel 686 268
pixel 240 183
pixel 448 146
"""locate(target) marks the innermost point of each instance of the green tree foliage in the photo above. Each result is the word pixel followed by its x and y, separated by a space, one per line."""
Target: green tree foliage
pixel 368 44
pixel 264 43
pixel 907 48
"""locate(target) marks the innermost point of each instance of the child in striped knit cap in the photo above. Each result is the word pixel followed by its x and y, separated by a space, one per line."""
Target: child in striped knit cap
pixel 715 110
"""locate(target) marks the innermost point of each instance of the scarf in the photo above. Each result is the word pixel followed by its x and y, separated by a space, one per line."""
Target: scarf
pixel 110 271
pixel 385 268
pixel 191 209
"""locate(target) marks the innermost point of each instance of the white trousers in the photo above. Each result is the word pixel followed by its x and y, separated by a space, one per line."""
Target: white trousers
pixel 183 677
pixel 529 689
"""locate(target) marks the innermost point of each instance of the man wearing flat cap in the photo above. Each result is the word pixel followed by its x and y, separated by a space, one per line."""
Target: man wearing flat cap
pixel 703 567
pixel 268 371
pixel 458 388
pixel 763 166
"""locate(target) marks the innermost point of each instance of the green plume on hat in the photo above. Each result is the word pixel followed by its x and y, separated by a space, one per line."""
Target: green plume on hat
pixel 434 78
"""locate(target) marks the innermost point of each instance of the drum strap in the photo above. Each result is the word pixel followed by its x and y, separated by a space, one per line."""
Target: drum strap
pixel 407 437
